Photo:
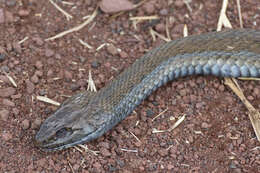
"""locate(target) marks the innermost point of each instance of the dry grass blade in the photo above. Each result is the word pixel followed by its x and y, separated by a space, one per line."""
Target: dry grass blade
pixel 67 3
pixel 23 40
pixel 145 17
pixel 75 28
pixel 152 34
pixel 135 136
pixel 248 78
pixel 91 84
pixel 187 3
pixel 160 114
pixel 101 46
pixel 159 35
pixel 223 20
pixel 256 148
pixel 127 150
pixel 254 115
pixel 68 16
pixel 85 44
pixel 177 123
pixel 158 131
pixel 239 14
pixel 71 167
pixel 167 30
pixel 87 149
pixel 185 31
pixel 11 80
pixel 47 100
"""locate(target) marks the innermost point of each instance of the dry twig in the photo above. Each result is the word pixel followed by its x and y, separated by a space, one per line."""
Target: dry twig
pixel 239 14
pixel 254 115
pixel 223 20
pixel 68 16
pixel 75 28
pixel 47 100
pixel 91 84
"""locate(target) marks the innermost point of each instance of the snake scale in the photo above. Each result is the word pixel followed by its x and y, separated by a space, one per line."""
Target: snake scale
pixel 87 116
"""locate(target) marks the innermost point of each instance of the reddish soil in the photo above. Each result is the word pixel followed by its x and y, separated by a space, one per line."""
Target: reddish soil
pixel 216 135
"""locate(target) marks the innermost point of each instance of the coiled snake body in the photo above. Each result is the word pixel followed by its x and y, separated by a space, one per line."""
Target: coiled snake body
pixel 87 116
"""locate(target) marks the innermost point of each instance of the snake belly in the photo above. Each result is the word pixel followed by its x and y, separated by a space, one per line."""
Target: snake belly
pixel 87 116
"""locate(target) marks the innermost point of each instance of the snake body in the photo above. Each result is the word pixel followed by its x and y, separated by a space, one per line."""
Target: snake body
pixel 87 116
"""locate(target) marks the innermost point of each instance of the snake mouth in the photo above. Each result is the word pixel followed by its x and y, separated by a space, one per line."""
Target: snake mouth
pixel 59 140
pixel 67 137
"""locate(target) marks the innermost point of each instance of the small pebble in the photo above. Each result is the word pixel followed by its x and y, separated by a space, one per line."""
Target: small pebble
pixel 205 125
pixel 232 165
pixel 42 92
pixel 38 41
pixel 199 105
pixel 221 88
pixel 4 114
pixel 112 49
pixel 121 163
pixel 49 52
pixel 9 18
pixel 29 86
pixel 10 3
pixel 8 102
pixel 6 92
pixel 97 165
pixel 67 75
pixel 104 145
pixel 25 124
pixel 35 79
pixel 38 65
pixel 74 87
pixel 5 68
pixel 2 57
pixel 123 54
pixel 95 64
pixel 179 3
pixel 37 122
pixel 105 152
pixel 250 98
pixel 114 6
pixel 160 27
pixel 23 12
pixel 183 92
pixel 15 111
pixel 163 152
pixel 49 73
pixel 6 136
pixel 38 73
pixel 149 113
pixel 82 59
pixel 164 12
pixel 17 47
pixel 149 8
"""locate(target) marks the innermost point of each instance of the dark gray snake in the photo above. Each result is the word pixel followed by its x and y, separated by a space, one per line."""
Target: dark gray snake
pixel 87 116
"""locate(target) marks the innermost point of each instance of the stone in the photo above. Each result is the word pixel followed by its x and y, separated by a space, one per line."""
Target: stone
pixel 6 92
pixel 114 6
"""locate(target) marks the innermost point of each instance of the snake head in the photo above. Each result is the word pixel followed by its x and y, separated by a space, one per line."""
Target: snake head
pixel 75 122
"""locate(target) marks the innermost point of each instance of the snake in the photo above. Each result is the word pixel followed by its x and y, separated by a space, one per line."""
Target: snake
pixel 88 115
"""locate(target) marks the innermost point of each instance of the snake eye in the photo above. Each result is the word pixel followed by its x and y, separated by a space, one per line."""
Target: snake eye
pixel 63 132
